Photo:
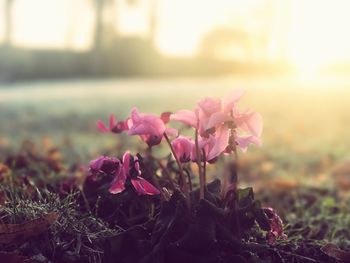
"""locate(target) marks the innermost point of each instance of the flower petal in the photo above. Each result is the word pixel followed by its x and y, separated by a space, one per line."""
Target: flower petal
pixel 244 141
pixel 149 126
pixel 143 187
pixel 250 121
pixel 230 101
pixel 183 147
pixel 118 184
pixel 102 127
pixel 112 121
pixel 126 162
pixel 165 116
pixel 185 116
pixel 219 144
pixel 209 105
pixel 216 119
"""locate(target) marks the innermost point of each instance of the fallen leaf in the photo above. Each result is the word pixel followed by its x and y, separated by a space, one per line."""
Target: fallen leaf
pixel 14 232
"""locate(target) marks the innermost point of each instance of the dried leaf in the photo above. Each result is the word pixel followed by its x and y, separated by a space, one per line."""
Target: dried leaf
pixel 336 253
pixel 14 232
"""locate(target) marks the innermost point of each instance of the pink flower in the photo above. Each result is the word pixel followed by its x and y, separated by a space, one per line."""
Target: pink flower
pixel 131 170
pixel 249 121
pixel 276 226
pixel 183 147
pixel 114 125
pixel 165 116
pixel 104 165
pixel 187 117
pixel 244 141
pixel 217 114
pixel 209 114
pixel 214 113
pixel 150 127
pixel 213 146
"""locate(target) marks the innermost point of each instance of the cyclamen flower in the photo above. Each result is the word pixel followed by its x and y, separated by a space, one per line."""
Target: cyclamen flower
pixel 130 169
pixel 150 127
pixel 212 115
pixel 183 147
pixel 213 146
pixel 244 141
pixel 276 226
pixel 104 165
pixel 114 125
pixel 209 113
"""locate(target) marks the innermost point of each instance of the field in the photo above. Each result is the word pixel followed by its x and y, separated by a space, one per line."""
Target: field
pixel 306 122
pixel 302 168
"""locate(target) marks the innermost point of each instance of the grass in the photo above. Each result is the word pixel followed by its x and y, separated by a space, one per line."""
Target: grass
pixel 306 126
pixel 76 235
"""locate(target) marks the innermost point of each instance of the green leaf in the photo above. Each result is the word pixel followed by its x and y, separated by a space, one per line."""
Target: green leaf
pixel 245 193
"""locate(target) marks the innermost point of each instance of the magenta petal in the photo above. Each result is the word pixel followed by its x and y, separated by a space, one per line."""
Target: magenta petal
pixel 255 124
pixel 126 162
pixel 229 101
pixel 95 164
pixel 250 121
pixel 165 116
pixel 149 126
pixel 135 115
pixel 129 123
pixel 143 187
pixel 216 119
pixel 101 126
pixel 185 116
pixel 112 121
pixel 244 141
pixel 118 184
pixel 140 129
pixel 183 147
pixel 220 143
pixel 210 106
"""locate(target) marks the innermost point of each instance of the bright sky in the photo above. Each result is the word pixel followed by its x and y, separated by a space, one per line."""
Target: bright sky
pixel 307 32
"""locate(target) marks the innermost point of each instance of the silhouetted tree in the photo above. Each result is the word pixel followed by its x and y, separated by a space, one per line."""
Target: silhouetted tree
pixel 98 31
pixel 102 23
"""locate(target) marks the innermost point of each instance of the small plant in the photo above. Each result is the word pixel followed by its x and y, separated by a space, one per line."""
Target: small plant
pixel 179 219
pixel 181 206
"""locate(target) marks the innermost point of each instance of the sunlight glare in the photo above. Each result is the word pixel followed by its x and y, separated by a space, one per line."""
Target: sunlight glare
pixel 318 35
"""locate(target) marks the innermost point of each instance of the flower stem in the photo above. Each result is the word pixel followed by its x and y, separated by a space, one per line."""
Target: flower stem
pixel 182 175
pixel 237 223
pixel 167 174
pixel 204 170
pixel 198 160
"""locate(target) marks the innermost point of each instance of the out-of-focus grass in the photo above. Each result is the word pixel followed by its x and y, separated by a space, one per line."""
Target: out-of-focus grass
pixel 306 122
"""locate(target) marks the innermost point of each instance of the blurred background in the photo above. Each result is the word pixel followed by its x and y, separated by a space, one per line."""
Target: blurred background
pixel 66 63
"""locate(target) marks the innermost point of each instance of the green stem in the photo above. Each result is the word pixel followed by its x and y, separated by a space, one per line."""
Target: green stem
pixel 182 175
pixel 237 223
pixel 204 169
pixel 198 161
